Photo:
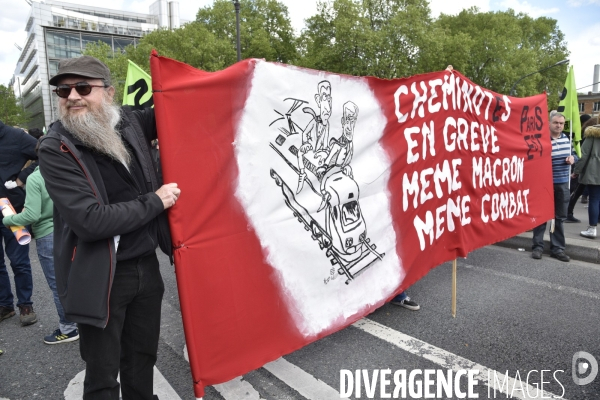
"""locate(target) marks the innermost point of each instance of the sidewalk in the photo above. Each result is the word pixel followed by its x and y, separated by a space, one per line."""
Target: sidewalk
pixel 578 247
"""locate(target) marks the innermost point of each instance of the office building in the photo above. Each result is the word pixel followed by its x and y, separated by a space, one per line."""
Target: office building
pixel 57 30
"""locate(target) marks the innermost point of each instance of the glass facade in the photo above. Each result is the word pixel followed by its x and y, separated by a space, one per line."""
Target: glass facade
pixel 63 44
pixel 64 31
pixel 121 43
pixel 87 39
pixel 60 21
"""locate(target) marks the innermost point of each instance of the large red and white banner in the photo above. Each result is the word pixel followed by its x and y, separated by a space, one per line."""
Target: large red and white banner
pixel 310 198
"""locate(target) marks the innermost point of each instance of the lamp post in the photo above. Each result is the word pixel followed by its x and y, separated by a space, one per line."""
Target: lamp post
pixel 512 90
pixel 236 3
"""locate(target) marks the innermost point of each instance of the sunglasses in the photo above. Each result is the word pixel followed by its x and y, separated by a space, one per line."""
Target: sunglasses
pixel 82 88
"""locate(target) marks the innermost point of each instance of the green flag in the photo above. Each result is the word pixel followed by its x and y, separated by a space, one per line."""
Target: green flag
pixel 138 88
pixel 569 107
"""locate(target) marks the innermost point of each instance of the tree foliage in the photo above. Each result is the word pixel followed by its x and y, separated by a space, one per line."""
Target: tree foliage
pixel 11 112
pixel 383 38
pixel 498 48
pixel 192 44
pixel 116 62
pixel 265 29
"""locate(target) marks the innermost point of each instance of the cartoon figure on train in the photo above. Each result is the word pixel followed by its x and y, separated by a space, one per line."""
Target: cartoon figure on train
pixel 325 166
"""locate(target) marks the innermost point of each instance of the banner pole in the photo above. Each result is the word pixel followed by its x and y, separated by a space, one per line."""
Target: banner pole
pixel 571 148
pixel 454 288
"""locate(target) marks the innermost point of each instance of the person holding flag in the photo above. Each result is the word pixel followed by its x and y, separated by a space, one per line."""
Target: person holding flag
pixel 577 188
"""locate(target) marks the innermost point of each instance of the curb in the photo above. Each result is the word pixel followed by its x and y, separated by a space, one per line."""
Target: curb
pixel 577 249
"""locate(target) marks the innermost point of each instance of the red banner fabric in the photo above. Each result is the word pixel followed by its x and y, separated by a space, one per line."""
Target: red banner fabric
pixel 310 198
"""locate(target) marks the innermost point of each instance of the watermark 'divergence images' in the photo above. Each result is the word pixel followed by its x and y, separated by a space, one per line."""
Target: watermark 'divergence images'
pixel 446 383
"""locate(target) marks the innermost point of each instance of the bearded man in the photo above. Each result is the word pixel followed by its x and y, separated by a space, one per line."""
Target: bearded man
pixel 108 220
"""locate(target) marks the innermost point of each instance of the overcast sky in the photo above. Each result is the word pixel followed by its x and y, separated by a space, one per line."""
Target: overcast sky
pixel 579 20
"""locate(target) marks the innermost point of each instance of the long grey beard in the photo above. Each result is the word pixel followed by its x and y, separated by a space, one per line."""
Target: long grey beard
pixel 96 130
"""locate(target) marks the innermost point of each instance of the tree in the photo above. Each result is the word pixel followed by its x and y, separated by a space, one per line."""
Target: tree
pixel 116 63
pixel 383 38
pixel 11 112
pixel 497 48
pixel 265 29
pixel 192 44
pixel 394 38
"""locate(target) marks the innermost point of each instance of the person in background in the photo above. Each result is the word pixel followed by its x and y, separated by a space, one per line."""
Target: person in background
pixel 403 300
pixel 563 156
pixel 588 169
pixel 16 148
pixel 36 133
pixel 38 213
pixel 577 189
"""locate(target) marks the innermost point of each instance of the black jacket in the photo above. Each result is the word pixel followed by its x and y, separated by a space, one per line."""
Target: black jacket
pixel 16 148
pixel 85 224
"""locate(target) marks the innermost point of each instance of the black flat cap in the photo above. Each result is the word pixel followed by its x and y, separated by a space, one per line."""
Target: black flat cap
pixel 86 66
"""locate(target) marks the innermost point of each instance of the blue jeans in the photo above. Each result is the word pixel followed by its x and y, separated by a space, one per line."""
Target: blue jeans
pixel 45 246
pixel 129 342
pixel 400 297
pixel 593 204
pixel 21 267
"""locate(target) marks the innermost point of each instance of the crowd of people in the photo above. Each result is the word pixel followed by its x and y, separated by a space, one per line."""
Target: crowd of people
pixel 95 206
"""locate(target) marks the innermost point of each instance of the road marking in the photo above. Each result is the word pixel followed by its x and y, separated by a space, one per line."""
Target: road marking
pixel 301 381
pixel 536 282
pixel 293 376
pixel 237 389
pixel 451 361
pixel 162 389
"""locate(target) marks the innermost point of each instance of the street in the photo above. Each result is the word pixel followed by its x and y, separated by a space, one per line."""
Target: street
pixel 515 317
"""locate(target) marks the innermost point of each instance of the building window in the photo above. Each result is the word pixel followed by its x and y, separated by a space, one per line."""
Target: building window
pixel 72 23
pixel 52 67
pixel 121 43
pixel 63 44
pixel 581 107
pixel 87 39
pixel 597 106
pixel 58 21
pixel 30 74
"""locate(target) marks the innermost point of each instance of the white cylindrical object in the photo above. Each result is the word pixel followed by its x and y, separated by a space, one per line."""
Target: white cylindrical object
pixel 6 211
pixel 160 8
pixel 596 78
pixel 174 15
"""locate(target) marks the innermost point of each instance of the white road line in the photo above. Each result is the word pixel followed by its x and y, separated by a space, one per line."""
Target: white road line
pixel 237 389
pixel 301 381
pixel 162 388
pixel 293 376
pixel 451 361
pixel 536 282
